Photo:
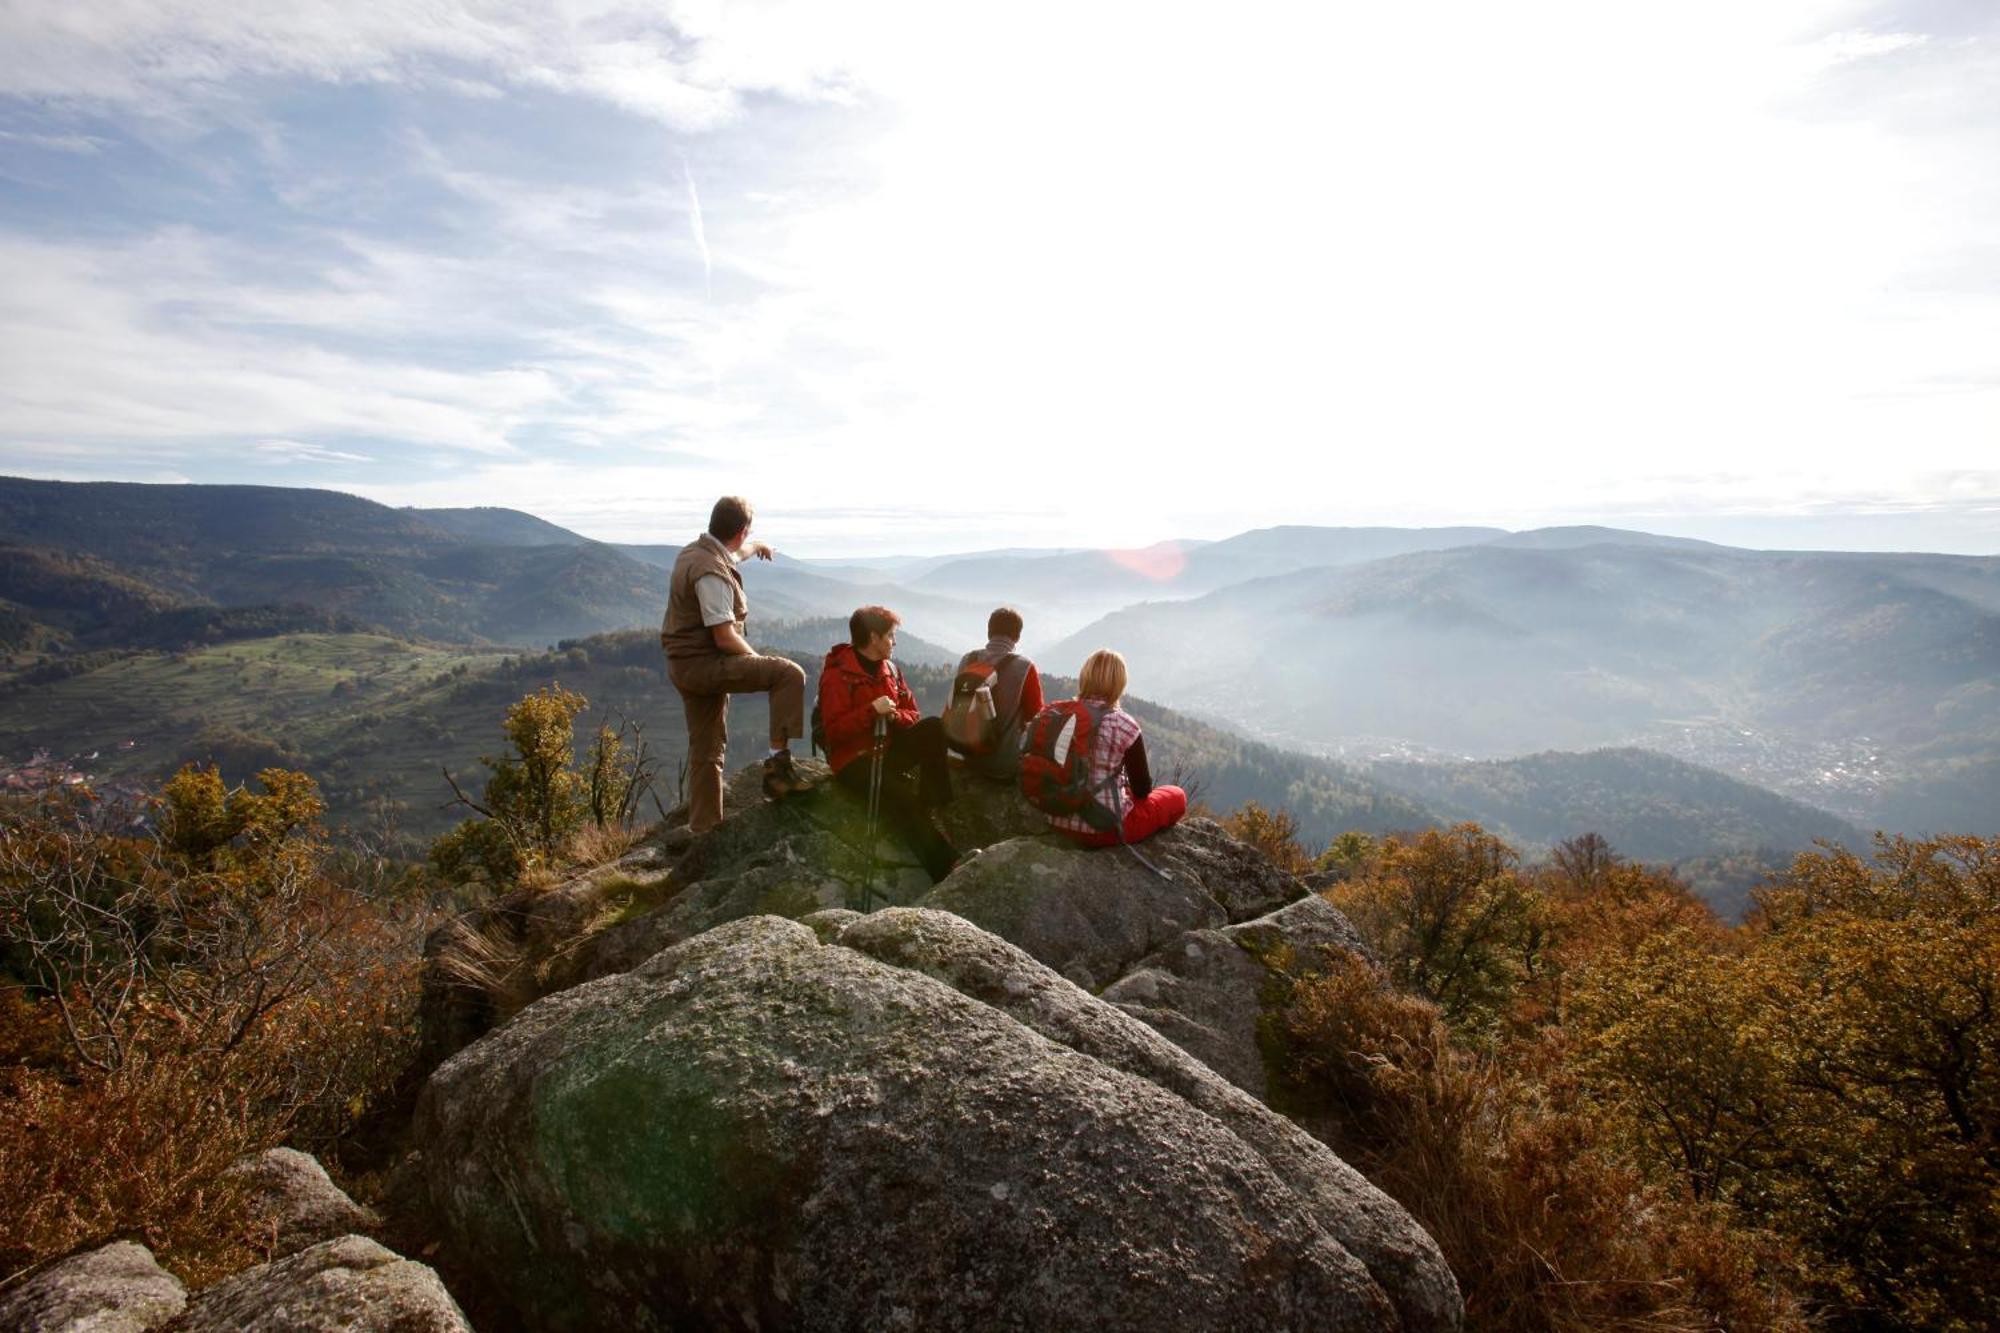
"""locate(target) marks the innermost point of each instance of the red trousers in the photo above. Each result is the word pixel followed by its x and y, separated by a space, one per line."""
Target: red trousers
pixel 1163 809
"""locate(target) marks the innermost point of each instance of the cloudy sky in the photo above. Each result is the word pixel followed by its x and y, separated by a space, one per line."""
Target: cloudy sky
pixel 925 277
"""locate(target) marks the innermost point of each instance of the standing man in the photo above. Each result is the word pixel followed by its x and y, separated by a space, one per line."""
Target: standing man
pixel 709 659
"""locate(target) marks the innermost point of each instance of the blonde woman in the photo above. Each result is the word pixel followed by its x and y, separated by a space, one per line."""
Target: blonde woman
pixel 1118 770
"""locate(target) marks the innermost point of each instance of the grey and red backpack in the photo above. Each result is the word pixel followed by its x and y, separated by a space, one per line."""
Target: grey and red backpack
pixel 1055 764
pixel 972 721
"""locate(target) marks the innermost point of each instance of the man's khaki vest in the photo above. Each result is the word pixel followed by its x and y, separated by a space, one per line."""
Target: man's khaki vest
pixel 682 634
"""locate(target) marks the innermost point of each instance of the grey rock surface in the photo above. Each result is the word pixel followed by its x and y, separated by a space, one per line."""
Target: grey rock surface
pixel 1093 914
pixel 828 924
pixel 1204 994
pixel 985 812
pixel 116 1289
pixel 1208 989
pixel 291 1194
pixel 756 1129
pixel 786 881
pixel 1397 1252
pixel 346 1285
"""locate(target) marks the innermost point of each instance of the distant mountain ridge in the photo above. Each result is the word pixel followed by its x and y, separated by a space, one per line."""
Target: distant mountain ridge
pixel 457 575
pixel 1650 807
pixel 1500 650
pixel 488 526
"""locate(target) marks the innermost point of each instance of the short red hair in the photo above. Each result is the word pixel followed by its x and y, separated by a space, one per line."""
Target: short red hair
pixel 868 621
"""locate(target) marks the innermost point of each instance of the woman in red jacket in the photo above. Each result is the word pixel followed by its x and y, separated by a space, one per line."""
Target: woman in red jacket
pixel 857 684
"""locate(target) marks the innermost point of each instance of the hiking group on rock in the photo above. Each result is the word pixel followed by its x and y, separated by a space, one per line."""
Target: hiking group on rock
pixel 1081 762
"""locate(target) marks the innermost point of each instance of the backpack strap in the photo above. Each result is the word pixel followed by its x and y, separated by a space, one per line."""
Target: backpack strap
pixel 1000 725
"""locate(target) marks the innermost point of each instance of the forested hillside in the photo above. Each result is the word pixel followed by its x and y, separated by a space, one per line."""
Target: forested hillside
pixel 1651 806
pixel 469 577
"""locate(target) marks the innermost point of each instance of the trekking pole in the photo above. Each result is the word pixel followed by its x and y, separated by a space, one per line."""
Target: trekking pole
pixel 881 744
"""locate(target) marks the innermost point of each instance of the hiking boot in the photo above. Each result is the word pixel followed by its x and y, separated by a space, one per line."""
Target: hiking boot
pixel 780 778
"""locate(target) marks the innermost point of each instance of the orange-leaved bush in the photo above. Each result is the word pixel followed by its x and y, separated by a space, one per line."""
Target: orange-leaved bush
pixel 182 997
pixel 1832 1072
pixel 1545 1225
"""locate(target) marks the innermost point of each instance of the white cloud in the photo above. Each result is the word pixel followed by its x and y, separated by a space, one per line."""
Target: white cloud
pixel 687 65
pixel 1841 48
pixel 83 144
pixel 158 340
pixel 1465 262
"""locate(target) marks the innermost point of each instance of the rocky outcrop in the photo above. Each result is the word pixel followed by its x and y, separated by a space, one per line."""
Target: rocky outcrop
pixel 346 1285
pixel 481 965
pixel 116 1289
pixel 787 858
pixel 915 1125
pixel 1208 990
pixel 1093 914
pixel 296 1203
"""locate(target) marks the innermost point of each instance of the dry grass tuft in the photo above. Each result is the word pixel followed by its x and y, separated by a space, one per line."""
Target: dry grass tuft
pixel 599 844
pixel 489 960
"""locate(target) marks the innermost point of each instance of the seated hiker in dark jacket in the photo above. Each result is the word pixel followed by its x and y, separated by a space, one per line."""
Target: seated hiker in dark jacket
pixel 1118 746
pixel 858 684
pixel 990 743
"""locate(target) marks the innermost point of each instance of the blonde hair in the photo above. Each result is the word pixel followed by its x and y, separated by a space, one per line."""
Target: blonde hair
pixel 1103 677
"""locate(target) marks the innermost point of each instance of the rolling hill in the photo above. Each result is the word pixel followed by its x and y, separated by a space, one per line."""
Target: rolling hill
pixel 1067 589
pixel 1496 650
pixel 1650 807
pixel 459 575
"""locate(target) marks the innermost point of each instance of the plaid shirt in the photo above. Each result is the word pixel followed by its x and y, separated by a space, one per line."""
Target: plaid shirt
pixel 1116 730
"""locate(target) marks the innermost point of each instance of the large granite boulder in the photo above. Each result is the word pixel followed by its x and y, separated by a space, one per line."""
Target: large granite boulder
pixel 1399 1254
pixel 1093 914
pixel 346 1285
pixel 116 1289
pixel 758 1129
pixel 1209 990
pixel 296 1202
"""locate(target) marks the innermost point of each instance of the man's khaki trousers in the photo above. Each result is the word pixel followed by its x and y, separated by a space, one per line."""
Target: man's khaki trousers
pixel 705 684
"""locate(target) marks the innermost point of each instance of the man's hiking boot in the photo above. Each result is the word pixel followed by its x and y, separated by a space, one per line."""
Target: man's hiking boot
pixel 781 779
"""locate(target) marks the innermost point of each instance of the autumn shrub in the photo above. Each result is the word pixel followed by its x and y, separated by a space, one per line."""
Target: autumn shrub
pixel 1545 1227
pixel 1831 1072
pixel 540 811
pixel 1346 855
pixel 1449 914
pixel 176 1000
pixel 1274 833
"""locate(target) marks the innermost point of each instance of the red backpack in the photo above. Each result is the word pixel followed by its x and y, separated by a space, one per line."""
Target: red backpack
pixel 1055 764
pixel 972 721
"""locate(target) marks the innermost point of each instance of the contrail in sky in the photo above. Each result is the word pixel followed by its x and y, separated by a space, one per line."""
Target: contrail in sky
pixel 700 232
